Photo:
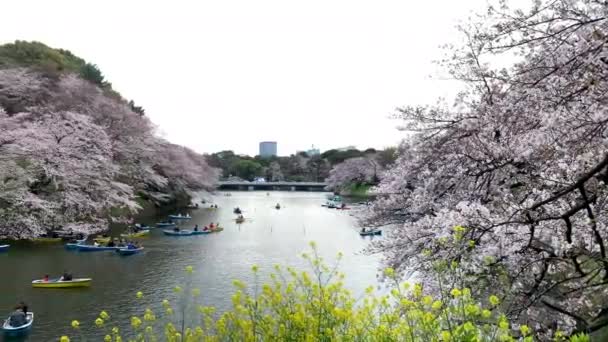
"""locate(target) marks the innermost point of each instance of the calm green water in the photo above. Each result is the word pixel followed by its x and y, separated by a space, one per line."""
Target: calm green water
pixel 269 237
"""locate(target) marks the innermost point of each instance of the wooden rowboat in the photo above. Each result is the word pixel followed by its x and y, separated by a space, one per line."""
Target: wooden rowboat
pixel 10 330
pixel 62 284
pixel 127 251
pixel 139 234
pixel 178 233
pixel 370 232
pixel 92 248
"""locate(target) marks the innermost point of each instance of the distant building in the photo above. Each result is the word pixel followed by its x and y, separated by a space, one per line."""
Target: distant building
pixel 268 148
pixel 312 152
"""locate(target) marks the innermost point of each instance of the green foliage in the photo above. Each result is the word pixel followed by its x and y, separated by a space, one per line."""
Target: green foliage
pixel 336 157
pixel 137 109
pixel 302 306
pixel 247 169
pixel 35 54
pixel 357 190
pixel 91 72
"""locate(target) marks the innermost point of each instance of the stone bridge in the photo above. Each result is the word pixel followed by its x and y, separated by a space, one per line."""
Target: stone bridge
pixel 266 186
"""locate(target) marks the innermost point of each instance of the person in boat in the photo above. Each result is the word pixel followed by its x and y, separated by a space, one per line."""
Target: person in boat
pixel 23 307
pixel 196 227
pixel 46 278
pixel 363 230
pixel 211 225
pixel 278 206
pixel 111 243
pixel 66 276
pixel 342 206
pixel 131 245
pixel 176 229
pixel 17 317
pixel 95 243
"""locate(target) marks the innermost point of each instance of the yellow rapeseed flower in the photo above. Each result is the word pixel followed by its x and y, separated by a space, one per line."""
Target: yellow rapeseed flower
pixel 456 293
pixel 486 313
pixel 189 269
pixel 115 330
pixel 389 272
pixel 255 268
pixel 64 339
pixel 135 322
pixel 436 305
pixel 446 336
pixel 75 324
pixel 524 329
pixel 107 338
pixel 99 322
pixel 494 300
pixel 165 303
pixel 139 294
pixel 196 292
pixel 104 315
pixel 177 289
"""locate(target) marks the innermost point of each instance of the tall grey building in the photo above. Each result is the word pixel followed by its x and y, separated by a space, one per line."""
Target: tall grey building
pixel 268 148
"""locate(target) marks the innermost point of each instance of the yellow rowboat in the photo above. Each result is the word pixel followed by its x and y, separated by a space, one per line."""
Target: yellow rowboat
pixel 102 239
pixel 141 233
pixel 47 240
pixel 57 284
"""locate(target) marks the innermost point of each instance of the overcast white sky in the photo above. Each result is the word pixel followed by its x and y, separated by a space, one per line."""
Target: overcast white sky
pixel 227 74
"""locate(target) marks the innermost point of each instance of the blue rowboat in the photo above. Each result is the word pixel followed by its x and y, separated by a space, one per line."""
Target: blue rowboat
pixel 4 248
pixel 371 232
pixel 11 331
pixel 72 246
pixel 178 233
pixel 180 217
pixel 91 248
pixel 165 224
pixel 201 232
pixel 127 251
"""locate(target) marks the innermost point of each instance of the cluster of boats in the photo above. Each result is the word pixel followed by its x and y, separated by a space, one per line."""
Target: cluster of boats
pixel 21 320
pixel 335 202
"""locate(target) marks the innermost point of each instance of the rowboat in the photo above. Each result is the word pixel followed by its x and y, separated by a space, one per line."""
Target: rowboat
pixel 178 233
pixel 371 232
pixel 9 330
pixel 72 246
pixel 240 220
pixel 102 239
pixel 165 224
pixel 201 232
pixel 91 248
pixel 217 230
pixel 127 251
pixel 139 234
pixel 180 217
pixel 4 248
pixel 62 284
pixel 47 239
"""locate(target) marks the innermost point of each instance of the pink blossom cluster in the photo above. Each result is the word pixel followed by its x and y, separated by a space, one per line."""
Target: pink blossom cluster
pixel 73 156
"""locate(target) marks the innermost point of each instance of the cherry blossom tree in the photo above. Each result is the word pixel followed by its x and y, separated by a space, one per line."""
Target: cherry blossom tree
pixel 518 165
pixel 359 170
pixel 71 154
